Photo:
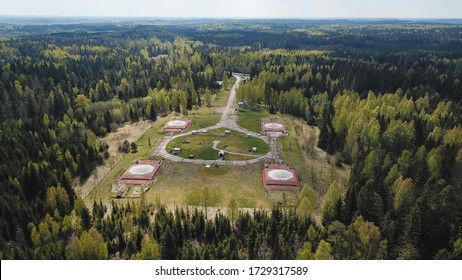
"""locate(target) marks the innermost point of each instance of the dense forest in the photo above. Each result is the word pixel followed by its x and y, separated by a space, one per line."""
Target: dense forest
pixel 387 97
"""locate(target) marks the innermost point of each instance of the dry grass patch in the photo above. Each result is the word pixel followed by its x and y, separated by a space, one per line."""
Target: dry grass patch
pixel 116 165
pixel 314 165
pixel 130 132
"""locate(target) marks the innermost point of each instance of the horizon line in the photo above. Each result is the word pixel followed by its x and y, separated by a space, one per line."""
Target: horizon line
pixel 226 18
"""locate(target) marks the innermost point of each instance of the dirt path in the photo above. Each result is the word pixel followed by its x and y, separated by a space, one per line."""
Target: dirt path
pixel 130 132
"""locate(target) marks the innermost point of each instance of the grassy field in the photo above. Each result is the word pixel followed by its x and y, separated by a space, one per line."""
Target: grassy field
pixel 294 155
pixel 313 164
pixel 203 117
pixel 200 145
pixel 222 95
pixel 103 189
pixel 221 98
pixel 182 184
pixel 251 119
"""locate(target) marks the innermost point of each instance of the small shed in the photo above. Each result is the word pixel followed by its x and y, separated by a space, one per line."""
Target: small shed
pixel 227 132
pixel 176 151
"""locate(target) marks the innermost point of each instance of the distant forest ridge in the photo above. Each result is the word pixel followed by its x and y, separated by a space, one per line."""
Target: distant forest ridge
pixel 276 22
pixel 39 20
pixel 292 34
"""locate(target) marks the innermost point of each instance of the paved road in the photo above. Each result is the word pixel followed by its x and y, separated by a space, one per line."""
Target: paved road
pixel 228 120
pixel 229 111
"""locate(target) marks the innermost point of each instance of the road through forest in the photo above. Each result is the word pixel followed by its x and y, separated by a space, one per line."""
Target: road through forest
pixel 228 120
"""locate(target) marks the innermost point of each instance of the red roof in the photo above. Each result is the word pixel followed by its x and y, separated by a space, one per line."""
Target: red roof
pixel 265 129
pixel 177 128
pixel 129 178
pixel 269 183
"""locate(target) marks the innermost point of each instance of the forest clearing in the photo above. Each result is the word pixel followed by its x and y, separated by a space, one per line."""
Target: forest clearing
pixel 231 139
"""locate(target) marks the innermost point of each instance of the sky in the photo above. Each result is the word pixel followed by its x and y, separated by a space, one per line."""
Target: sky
pixel 236 8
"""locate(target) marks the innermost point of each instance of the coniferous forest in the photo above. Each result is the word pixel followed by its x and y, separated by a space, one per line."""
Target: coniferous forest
pixel 386 96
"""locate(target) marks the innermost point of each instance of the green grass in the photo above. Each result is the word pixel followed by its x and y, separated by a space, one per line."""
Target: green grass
pixel 203 117
pixel 294 156
pixel 238 157
pixel 292 153
pixel 199 145
pixel 251 119
pixel 222 95
pixel 182 184
pixel 221 98
pixel 234 142
pixel 240 143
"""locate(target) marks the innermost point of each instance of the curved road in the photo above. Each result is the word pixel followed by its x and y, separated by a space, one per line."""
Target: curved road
pixel 228 120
